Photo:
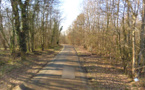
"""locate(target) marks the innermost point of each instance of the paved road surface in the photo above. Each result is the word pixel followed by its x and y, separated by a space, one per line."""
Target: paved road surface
pixel 62 73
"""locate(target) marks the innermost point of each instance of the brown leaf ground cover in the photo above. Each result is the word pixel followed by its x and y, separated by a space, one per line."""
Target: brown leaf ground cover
pixel 15 72
pixel 105 74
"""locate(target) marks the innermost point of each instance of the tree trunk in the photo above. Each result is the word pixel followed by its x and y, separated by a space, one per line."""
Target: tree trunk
pixel 21 34
pixel 133 53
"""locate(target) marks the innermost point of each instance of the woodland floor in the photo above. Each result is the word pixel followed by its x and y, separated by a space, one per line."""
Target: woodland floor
pixel 103 74
pixel 15 72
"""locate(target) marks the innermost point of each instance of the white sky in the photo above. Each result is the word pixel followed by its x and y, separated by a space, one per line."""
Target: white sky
pixel 70 10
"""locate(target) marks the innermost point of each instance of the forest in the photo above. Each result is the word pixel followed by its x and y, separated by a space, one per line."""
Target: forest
pixel 112 28
pixel 28 25
pixel 111 31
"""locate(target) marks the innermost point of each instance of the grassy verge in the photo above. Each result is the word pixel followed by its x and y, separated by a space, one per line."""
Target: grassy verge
pixel 13 72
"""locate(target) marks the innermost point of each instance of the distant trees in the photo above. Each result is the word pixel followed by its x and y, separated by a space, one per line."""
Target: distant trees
pixel 55 33
pixel 112 28
pixel 29 24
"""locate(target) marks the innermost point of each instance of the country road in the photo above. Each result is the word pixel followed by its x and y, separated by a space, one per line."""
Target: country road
pixel 62 73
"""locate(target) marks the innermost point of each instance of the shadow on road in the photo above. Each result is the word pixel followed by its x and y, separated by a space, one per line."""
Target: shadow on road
pixel 50 77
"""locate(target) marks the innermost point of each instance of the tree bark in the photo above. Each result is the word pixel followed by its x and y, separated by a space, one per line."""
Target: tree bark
pixel 21 33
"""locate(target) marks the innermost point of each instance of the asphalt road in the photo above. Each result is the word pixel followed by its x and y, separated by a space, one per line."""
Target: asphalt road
pixel 62 73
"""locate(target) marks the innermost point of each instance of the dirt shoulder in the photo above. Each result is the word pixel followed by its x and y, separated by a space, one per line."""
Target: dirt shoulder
pixel 16 72
pixel 103 73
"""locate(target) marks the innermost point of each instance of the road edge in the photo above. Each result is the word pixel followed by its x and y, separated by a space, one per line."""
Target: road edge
pixel 19 87
pixel 86 79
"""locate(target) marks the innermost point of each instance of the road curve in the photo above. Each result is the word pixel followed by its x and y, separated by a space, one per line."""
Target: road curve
pixel 62 73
